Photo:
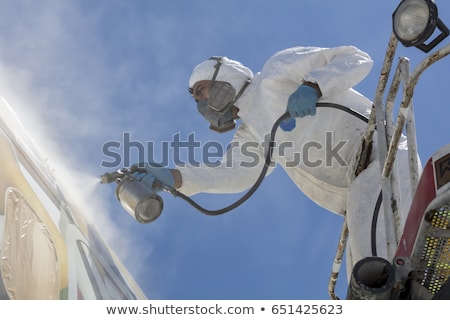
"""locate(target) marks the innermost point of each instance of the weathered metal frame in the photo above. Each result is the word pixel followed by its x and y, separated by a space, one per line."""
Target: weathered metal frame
pixel 388 135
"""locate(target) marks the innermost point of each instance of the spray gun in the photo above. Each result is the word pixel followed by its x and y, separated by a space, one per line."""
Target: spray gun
pixel 141 202
pixel 144 205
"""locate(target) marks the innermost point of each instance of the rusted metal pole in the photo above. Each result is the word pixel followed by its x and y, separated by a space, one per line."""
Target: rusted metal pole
pixel 337 263
pixel 389 202
pixel 407 97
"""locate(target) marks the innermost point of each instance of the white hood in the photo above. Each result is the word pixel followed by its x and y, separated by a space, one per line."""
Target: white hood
pixel 230 71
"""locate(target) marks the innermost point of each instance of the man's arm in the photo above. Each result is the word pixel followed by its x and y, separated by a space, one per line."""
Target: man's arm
pixel 331 70
pixel 345 68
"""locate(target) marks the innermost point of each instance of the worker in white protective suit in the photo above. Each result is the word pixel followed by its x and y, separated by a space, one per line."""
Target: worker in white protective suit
pixel 318 147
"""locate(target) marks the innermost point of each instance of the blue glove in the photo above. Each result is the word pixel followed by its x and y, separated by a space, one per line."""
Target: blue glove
pixel 148 173
pixel 288 124
pixel 300 103
pixel 303 102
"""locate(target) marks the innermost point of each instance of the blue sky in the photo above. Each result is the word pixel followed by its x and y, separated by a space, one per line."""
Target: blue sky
pixel 81 73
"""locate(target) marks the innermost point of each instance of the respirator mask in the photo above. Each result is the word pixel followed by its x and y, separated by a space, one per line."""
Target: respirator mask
pixel 218 108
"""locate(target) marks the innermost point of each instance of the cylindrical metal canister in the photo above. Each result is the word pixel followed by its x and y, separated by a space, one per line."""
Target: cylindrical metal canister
pixel 139 201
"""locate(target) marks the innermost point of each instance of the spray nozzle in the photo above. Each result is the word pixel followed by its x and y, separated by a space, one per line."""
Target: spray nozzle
pixel 116 176
pixel 109 177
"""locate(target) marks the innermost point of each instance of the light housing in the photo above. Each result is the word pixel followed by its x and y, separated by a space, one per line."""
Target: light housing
pixel 414 21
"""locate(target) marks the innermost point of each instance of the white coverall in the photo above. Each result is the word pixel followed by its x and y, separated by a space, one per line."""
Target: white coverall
pixel 327 178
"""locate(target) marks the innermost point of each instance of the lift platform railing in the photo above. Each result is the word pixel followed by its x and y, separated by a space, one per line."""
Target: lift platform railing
pixel 388 136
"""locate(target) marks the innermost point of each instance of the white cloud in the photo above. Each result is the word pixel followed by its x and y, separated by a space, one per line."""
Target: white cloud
pixel 57 81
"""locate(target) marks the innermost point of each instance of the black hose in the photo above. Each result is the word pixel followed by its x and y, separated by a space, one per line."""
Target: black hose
pixel 267 163
pixel 373 230
pixel 252 190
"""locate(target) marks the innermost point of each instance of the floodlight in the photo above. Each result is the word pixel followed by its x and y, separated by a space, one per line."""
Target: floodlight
pixel 414 21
